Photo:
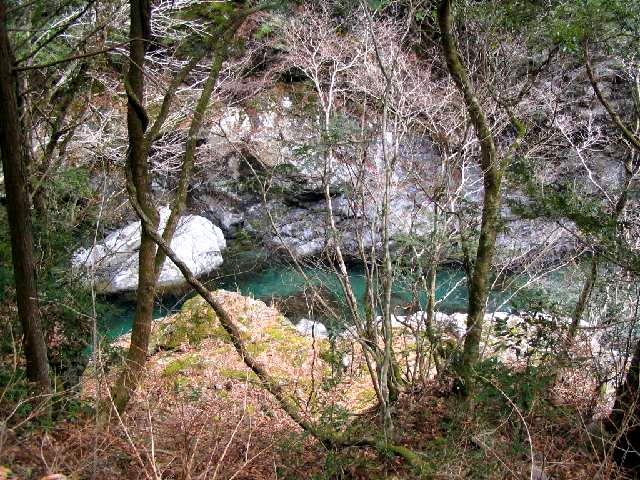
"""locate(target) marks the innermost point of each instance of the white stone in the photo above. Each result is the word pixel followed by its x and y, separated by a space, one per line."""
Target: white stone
pixel 113 264
pixel 459 320
pixel 309 328
pixel 234 125
pixel 287 103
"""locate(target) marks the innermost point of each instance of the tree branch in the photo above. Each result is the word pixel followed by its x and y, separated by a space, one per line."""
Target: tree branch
pixel 68 59
pixel 615 117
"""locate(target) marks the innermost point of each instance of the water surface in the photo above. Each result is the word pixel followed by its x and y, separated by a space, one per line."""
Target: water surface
pixel 282 281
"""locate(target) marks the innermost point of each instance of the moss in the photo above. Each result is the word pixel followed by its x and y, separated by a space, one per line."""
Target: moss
pixel 225 348
pixel 415 459
pixel 180 384
pixel 242 375
pixel 195 322
pixel 257 348
pixel 332 356
pixel 366 397
pixel 182 364
pixel 198 308
pixel 275 333
pixel 221 334
pixel 223 394
pixel 289 342
pixel 282 332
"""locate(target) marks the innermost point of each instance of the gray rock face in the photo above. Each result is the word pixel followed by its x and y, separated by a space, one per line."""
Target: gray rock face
pixel 113 264
pixel 274 148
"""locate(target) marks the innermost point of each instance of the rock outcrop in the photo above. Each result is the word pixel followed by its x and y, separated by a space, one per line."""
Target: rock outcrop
pixel 264 172
pixel 113 264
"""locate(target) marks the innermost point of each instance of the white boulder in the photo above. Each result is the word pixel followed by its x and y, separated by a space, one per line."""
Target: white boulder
pixel 113 264
pixel 309 328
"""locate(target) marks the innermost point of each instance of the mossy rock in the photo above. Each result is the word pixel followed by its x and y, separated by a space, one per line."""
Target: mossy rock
pixel 195 322
pixel 256 349
pixel 287 339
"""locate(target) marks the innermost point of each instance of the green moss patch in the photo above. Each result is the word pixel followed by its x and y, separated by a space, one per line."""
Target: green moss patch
pixel 235 374
pixel 183 364
pixel 195 322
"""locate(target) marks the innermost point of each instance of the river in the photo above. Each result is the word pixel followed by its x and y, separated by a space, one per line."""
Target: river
pixel 282 281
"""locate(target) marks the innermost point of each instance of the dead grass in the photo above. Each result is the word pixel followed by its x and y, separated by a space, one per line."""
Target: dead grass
pixel 200 414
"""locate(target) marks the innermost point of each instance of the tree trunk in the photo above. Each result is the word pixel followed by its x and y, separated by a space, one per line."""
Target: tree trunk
pixel 139 186
pixel 581 304
pixel 19 215
pixel 492 176
pixel 625 418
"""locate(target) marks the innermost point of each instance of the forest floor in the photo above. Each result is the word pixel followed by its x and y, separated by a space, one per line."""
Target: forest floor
pixel 199 413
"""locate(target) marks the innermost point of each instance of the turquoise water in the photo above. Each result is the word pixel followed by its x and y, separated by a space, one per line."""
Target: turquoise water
pixel 119 319
pixel 283 281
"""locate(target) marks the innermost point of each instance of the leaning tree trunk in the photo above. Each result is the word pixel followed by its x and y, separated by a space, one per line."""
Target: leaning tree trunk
pixel 151 259
pixel 492 176
pixel 138 176
pixel 19 215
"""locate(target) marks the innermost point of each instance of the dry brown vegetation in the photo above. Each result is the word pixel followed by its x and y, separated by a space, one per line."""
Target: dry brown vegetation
pixel 200 413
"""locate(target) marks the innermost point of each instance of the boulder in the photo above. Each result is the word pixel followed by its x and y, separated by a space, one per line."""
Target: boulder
pixel 113 264
pixel 309 328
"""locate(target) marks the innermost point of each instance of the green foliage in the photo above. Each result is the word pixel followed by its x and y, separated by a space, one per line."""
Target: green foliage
pixel 71 184
pixel 514 14
pixel 67 215
pixel 538 299
pixel 48 19
pixel 72 408
pixel 16 390
pixel 269 28
pixel 604 21
pixel 503 386
pixel 6 264
pixel 181 365
pixel 531 337
pixel 612 24
pixel 378 4
pixel 216 18
pixel 591 213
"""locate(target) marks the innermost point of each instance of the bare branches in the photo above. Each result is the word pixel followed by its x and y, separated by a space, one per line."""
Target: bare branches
pixel 631 137
pixel 67 59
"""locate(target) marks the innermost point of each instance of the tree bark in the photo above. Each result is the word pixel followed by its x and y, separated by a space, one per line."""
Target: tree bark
pixel 139 186
pixel 151 259
pixel 19 215
pixel 492 177
pixel 583 301
pixel 625 418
